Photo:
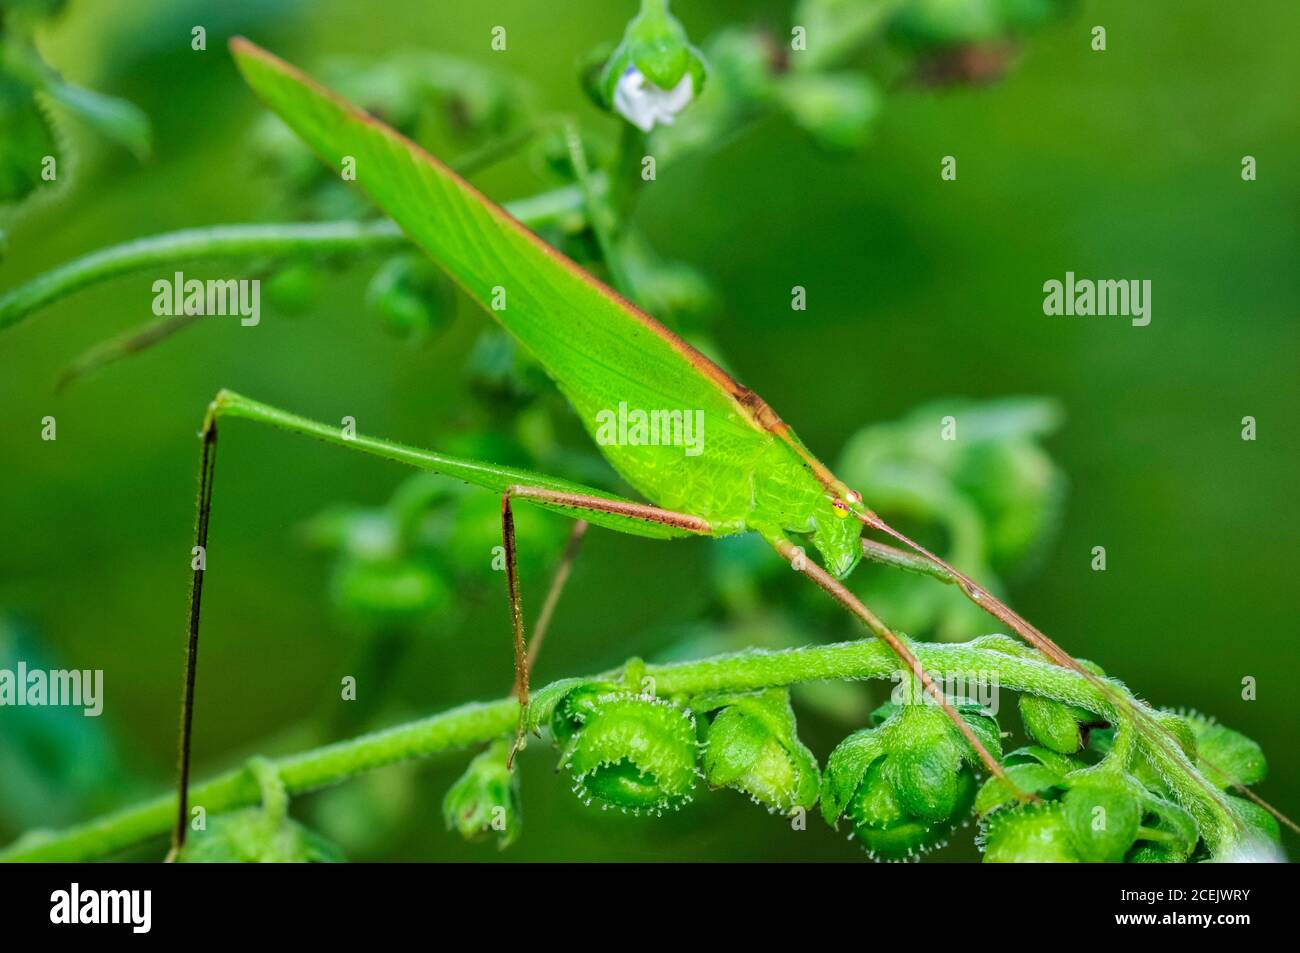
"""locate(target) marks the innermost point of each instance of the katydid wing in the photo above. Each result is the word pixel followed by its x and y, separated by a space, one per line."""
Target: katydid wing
pixel 600 350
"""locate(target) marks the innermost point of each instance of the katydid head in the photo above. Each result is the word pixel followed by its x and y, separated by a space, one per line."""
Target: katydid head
pixel 837 537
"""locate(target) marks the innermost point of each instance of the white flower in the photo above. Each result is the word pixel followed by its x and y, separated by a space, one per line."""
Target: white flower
pixel 643 104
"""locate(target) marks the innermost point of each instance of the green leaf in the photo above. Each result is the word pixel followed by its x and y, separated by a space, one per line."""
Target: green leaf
pixel 27 140
pixel 1028 778
pixel 1225 756
pixel 115 119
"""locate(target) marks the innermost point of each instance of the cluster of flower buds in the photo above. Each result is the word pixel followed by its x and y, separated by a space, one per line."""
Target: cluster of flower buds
pixel 1081 814
pixel 905 784
pixel 901 785
pixel 1102 814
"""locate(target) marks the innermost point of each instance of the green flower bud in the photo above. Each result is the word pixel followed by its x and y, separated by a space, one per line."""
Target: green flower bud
pixel 485 799
pixel 883 825
pixel 655 72
pixel 410 296
pixel 632 752
pixel 1033 834
pixel 1103 814
pixel 294 287
pixel 751 746
pixel 904 785
pixel 1054 724
pixel 263 834
pixel 836 109
pixel 250 837
pixel 388 590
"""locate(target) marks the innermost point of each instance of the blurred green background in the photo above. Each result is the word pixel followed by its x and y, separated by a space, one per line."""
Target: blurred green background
pixel 1117 164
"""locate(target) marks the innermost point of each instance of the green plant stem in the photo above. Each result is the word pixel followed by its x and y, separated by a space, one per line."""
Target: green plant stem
pixel 478 723
pixel 196 244
pixel 308 771
pixel 251 241
pixel 599 212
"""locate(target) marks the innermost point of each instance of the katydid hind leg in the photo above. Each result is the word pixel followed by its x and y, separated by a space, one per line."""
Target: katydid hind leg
pixel 202 519
pixel 573 501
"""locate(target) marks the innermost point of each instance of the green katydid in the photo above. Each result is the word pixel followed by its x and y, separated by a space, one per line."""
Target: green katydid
pixel 752 474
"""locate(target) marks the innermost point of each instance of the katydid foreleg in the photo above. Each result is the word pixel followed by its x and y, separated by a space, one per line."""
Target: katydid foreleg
pixel 837 591
pixel 1142 722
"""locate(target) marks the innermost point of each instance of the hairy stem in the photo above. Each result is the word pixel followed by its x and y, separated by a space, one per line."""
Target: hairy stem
pixel 478 723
